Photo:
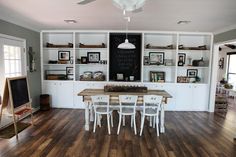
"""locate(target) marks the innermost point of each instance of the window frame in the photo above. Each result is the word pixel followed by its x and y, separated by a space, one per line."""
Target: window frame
pixel 228 63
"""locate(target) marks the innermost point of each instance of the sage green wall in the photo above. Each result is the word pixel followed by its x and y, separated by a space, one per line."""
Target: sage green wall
pixel 226 36
pixel 33 40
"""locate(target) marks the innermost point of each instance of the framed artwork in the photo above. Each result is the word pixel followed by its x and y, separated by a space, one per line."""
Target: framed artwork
pixel 93 57
pixel 156 58
pixel 221 63
pixel 146 60
pixel 83 60
pixel 191 73
pixel 63 55
pixel 119 77
pixel 183 79
pixel 69 71
pixel 182 57
pixel 157 76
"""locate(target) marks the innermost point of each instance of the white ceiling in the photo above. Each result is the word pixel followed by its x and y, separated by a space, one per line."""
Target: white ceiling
pixel 206 15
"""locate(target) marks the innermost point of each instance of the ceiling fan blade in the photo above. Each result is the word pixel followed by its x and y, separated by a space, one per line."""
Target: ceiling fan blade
pixel 84 2
pixel 137 10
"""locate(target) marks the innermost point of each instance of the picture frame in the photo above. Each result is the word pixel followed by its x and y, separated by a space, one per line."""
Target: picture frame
pixel 157 76
pixel 93 57
pixel 64 55
pixel 156 58
pixel 221 63
pixel 146 60
pixel 192 73
pixel 183 79
pixel 69 71
pixel 182 57
pixel 120 77
pixel 83 60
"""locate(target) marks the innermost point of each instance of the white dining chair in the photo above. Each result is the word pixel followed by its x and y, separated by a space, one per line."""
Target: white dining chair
pixel 127 108
pixel 101 104
pixel 151 108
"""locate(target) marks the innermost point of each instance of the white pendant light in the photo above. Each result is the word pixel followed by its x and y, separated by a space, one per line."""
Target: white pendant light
pixel 129 5
pixel 126 44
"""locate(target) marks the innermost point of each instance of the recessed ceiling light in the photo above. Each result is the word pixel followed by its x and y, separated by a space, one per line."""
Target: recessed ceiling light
pixel 70 21
pixel 183 22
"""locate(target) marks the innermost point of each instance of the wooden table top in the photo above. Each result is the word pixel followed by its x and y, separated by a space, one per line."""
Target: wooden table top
pixel 90 92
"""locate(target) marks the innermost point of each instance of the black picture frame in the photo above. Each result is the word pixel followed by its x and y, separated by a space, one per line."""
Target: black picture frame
pixel 64 55
pixel 221 63
pixel 69 71
pixel 182 57
pixel 156 58
pixel 157 76
pixel 83 60
pixel 93 57
pixel 192 73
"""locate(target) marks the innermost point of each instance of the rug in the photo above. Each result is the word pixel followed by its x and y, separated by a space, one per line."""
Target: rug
pixel 9 131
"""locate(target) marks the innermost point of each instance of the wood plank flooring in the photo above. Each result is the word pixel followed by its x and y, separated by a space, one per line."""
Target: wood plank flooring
pixel 60 132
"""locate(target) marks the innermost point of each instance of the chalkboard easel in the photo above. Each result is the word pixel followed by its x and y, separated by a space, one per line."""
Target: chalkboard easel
pixel 16 96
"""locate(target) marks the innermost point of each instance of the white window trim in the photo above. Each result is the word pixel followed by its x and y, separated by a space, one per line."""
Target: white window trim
pixel 24 61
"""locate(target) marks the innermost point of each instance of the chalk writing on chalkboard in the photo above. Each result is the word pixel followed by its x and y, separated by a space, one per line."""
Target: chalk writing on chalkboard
pixel 125 61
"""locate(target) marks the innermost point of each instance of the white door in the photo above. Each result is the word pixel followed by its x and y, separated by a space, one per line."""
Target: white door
pixel 200 97
pixel 12 58
pixel 50 88
pixel 65 97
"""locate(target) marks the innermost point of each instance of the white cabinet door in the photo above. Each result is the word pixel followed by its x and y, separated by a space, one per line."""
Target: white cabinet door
pixel 183 97
pixel 200 97
pixel 51 89
pixel 65 95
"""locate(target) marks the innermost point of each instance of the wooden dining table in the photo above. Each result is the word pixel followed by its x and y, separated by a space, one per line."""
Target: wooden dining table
pixel 114 102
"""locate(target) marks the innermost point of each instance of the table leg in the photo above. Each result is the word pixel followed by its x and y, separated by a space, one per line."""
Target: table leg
pixel 91 112
pixel 162 124
pixel 86 127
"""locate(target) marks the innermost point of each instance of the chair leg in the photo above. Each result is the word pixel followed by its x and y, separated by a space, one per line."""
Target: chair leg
pixel 118 130
pixel 108 124
pixel 131 122
pixel 157 127
pixel 111 120
pixel 99 117
pixel 123 120
pixel 150 121
pixel 95 122
pixel 142 124
pixel 135 130
pixel 154 122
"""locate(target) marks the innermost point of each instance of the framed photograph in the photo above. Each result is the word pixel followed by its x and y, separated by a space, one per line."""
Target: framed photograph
pixel 146 60
pixel 182 57
pixel 191 73
pixel 183 79
pixel 93 57
pixel 119 77
pixel 157 76
pixel 156 58
pixel 64 55
pixel 221 63
pixel 69 71
pixel 83 60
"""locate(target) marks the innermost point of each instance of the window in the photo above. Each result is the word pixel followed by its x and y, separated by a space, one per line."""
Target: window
pixel 231 70
pixel 12 60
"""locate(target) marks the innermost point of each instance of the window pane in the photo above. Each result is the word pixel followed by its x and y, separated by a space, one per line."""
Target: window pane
pixel 7 66
pixel 232 64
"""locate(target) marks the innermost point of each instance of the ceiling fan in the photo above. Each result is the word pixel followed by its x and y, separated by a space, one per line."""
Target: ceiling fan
pixel 134 6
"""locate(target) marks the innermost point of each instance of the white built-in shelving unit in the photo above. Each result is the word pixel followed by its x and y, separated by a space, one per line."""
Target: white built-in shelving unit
pixel 191 96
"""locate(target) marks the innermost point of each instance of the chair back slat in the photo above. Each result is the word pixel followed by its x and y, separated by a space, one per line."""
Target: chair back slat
pixel 128 102
pixel 101 101
pixel 152 102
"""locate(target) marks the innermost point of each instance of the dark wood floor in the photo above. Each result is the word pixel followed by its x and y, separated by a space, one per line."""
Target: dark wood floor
pixel 60 132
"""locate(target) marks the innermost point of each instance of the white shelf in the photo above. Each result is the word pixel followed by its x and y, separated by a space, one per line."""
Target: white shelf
pixel 158 50
pixel 192 67
pixel 58 64
pixel 158 66
pixel 61 48
pixel 93 64
pixel 196 51
pixel 90 48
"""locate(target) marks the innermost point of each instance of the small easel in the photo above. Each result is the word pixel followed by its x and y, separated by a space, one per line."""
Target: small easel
pixel 8 98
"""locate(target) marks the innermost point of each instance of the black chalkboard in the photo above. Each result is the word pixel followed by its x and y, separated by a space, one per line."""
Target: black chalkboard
pixel 125 61
pixel 19 91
